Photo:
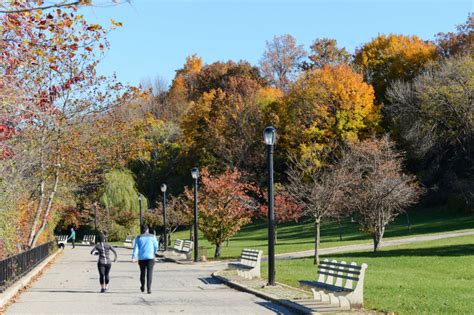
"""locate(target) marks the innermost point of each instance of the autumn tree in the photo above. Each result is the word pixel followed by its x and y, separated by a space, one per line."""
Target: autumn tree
pixel 457 43
pixel 221 125
pixel 319 191
pixel 286 208
pixel 379 189
pixel 325 107
pixel 50 56
pixel 388 58
pixel 434 120
pixel 324 51
pixel 225 205
pixel 11 7
pixel 280 60
pixel 178 213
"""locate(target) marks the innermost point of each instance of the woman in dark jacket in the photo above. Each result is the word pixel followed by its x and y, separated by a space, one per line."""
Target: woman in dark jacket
pixel 103 249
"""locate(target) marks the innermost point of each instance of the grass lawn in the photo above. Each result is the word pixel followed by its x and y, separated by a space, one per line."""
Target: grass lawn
pixel 294 237
pixel 433 277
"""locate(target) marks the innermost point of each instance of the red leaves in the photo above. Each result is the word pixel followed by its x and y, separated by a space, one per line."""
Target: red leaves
pixel 225 205
pixel 286 207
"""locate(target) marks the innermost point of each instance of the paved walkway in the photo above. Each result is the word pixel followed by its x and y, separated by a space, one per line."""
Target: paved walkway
pixel 370 246
pixel 70 286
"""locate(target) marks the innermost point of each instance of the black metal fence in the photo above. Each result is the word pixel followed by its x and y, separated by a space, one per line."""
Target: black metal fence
pixel 13 268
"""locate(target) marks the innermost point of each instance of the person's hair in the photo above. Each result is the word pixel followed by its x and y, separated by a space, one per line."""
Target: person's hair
pixel 101 238
pixel 144 228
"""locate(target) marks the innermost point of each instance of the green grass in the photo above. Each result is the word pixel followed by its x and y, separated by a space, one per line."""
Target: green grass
pixel 433 277
pixel 294 237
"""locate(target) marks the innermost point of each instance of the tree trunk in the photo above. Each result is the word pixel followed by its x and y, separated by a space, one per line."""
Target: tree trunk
pixel 340 229
pixel 227 243
pixel 317 227
pixel 48 209
pixel 377 236
pixel 218 250
pixel 39 209
pixel 408 221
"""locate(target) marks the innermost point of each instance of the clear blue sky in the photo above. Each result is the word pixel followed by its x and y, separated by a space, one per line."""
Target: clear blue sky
pixel 157 35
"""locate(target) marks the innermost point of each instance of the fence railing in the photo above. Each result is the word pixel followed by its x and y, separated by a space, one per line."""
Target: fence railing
pixel 13 268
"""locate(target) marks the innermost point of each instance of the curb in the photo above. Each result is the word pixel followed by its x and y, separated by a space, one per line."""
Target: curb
pixel 299 309
pixel 9 293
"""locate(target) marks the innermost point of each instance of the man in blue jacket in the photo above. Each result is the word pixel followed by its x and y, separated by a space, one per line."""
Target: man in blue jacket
pixel 145 249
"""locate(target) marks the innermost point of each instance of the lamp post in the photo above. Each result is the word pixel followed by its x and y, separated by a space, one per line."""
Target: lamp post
pixel 269 135
pixel 140 207
pixel 195 175
pixel 163 190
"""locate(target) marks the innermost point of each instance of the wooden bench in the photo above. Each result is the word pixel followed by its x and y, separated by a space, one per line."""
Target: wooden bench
pixel 88 239
pixel 340 284
pixel 249 264
pixel 129 241
pixel 61 239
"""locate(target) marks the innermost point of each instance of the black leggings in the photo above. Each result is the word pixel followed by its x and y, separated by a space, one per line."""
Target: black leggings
pixel 146 265
pixel 104 270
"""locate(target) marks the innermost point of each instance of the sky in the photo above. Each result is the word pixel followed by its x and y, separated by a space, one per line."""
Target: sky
pixel 158 35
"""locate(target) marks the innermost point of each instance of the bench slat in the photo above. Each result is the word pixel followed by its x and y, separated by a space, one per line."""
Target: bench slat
pixel 330 274
pixel 325 262
pixel 344 270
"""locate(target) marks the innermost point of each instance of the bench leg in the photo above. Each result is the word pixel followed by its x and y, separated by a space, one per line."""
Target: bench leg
pixel 344 303
pixel 333 300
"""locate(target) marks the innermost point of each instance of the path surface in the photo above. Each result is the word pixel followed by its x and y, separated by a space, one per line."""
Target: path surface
pixel 70 286
pixel 370 246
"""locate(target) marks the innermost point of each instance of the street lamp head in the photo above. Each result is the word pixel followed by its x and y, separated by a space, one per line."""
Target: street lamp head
pixel 195 172
pixel 269 135
pixel 163 187
pixel 139 196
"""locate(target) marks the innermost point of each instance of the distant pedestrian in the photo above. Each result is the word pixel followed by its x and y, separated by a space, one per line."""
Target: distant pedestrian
pixel 145 249
pixel 104 263
pixel 72 237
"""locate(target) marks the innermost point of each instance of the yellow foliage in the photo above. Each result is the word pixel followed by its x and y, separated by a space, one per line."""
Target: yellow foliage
pixel 325 107
pixel 393 57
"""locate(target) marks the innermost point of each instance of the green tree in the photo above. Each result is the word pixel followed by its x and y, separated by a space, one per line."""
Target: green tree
pixel 434 119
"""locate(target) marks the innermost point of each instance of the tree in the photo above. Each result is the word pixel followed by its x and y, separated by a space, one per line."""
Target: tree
pixel 51 57
pixel 286 208
pixel 328 106
pixel 225 205
pixel 281 59
pixel 379 189
pixel 434 120
pixel 178 213
pixel 324 51
pixel 11 7
pixel 220 126
pixel 119 198
pixel 319 191
pixel 388 58
pixel 460 43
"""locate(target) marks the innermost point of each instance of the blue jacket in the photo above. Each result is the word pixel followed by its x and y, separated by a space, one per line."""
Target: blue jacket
pixel 145 247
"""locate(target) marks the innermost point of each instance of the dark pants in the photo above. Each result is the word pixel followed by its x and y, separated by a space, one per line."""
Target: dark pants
pixel 73 241
pixel 104 270
pixel 146 265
